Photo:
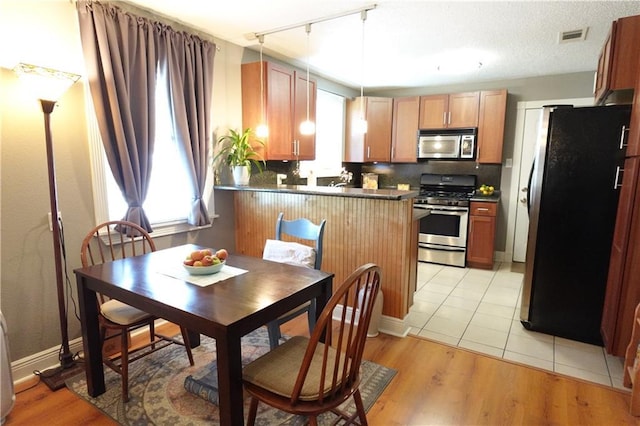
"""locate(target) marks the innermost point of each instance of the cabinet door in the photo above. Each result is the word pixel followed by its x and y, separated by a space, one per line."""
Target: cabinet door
pixel 613 314
pixel 633 141
pixel 406 112
pixel 354 138
pixel 378 137
pixel 280 102
pixel 624 63
pixel 433 111
pixel 482 229
pixel 493 107
pixel 604 66
pixel 463 110
pixel 306 144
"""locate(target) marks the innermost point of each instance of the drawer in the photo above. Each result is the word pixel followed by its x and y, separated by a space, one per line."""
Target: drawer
pixel 483 209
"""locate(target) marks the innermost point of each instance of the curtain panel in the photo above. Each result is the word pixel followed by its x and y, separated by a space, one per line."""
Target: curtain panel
pixel 123 53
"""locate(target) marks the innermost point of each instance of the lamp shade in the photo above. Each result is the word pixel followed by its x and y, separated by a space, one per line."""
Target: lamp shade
pixel 45 83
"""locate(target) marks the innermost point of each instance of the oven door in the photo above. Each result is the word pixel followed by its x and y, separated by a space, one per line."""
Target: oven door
pixel 443 235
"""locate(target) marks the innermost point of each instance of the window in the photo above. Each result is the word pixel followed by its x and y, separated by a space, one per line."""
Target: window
pixel 167 200
pixel 330 116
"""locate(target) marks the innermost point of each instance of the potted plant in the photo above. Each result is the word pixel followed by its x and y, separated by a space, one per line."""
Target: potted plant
pixel 236 151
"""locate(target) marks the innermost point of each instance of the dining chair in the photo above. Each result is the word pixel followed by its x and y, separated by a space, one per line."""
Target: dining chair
pixel 117 240
pixel 293 252
pixel 328 373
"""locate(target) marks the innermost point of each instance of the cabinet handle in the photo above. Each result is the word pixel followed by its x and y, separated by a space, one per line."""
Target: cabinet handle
pixel 368 152
pixel 444 118
pixel 619 173
pixel 625 130
pixel 482 209
pixel 449 121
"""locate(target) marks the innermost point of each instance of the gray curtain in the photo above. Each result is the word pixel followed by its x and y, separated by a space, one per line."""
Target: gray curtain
pixel 189 70
pixel 123 53
pixel 121 61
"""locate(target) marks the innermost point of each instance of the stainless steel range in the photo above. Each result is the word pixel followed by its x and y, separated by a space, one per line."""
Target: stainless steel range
pixel 443 232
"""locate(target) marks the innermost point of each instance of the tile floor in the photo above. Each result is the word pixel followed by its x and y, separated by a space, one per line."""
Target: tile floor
pixel 480 310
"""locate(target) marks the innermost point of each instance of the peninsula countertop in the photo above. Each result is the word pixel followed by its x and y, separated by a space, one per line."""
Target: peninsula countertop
pixel 339 191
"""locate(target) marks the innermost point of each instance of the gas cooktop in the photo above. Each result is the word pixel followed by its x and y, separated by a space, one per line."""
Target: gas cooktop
pixel 450 190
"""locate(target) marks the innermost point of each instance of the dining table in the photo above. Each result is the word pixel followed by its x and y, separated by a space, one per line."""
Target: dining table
pixel 247 293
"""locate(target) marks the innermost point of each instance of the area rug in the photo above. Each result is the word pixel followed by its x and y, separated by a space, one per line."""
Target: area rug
pixel 158 382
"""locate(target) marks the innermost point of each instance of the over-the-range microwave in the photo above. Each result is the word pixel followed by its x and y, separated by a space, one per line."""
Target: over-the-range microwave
pixel 447 144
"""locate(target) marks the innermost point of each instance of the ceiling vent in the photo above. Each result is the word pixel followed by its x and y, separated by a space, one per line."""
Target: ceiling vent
pixel 574 35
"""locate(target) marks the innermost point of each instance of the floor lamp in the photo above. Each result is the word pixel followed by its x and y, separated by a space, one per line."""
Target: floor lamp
pixel 47 85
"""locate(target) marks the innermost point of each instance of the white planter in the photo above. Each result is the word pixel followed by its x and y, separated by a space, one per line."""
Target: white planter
pixel 241 175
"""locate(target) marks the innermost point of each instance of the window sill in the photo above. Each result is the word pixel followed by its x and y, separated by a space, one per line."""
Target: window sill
pixel 169 228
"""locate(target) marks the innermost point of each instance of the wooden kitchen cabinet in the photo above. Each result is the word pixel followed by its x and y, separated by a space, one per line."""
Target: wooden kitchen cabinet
pixel 285 107
pixel 631 371
pixel 405 129
pixel 623 281
pixel 375 144
pixel 493 109
pixel 618 62
pixel 482 230
pixel 458 110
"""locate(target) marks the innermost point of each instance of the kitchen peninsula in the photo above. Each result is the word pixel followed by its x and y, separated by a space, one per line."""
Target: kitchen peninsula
pixel 363 225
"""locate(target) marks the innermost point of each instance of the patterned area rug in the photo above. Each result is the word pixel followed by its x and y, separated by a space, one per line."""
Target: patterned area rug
pixel 158 387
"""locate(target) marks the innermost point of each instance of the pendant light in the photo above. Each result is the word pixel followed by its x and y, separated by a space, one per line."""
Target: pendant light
pixel 307 127
pixel 361 125
pixel 262 130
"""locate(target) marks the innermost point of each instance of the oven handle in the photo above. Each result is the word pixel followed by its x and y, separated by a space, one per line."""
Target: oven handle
pixel 440 247
pixel 442 209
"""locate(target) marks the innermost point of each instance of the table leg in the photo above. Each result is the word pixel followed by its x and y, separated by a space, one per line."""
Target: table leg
pixel 194 339
pixel 229 358
pixel 94 369
pixel 322 299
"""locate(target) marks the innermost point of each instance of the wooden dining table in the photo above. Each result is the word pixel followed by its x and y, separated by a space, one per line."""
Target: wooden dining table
pixel 225 310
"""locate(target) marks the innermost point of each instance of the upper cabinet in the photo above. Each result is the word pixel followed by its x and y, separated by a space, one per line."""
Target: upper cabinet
pixel 458 110
pixel 493 108
pixel 374 145
pixel 285 107
pixel 618 63
pixel 405 129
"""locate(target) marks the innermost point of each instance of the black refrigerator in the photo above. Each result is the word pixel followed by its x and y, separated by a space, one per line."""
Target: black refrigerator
pixel 573 197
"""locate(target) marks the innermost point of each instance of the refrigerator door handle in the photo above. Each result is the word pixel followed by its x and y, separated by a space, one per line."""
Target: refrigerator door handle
pixel 533 166
pixel 623 140
pixel 619 174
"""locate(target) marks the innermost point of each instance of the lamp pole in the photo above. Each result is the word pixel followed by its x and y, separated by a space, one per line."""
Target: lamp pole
pixel 66 358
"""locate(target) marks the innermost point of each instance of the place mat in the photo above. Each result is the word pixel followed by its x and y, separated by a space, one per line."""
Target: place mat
pixel 202 280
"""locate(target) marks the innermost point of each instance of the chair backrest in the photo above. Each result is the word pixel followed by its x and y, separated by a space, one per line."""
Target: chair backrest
pixel 339 369
pixel 114 240
pixel 303 229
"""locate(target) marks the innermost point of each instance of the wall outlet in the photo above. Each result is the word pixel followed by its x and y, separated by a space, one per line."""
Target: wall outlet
pixel 51 223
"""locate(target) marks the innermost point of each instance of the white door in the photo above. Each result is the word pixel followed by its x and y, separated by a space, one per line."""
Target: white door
pixel 527 123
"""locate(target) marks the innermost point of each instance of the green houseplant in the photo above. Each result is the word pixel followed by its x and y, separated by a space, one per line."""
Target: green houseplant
pixel 235 149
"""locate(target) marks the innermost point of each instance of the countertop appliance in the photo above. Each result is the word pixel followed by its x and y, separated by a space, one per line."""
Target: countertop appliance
pixel 573 196
pixel 443 232
pixel 447 144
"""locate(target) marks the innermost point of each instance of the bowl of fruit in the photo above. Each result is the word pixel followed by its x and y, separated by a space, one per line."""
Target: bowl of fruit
pixel 205 262
pixel 486 190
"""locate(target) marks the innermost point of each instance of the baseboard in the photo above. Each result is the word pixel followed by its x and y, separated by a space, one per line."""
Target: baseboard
pixel 388 325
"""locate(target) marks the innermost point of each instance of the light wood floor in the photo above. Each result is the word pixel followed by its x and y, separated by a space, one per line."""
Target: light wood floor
pixel 434 384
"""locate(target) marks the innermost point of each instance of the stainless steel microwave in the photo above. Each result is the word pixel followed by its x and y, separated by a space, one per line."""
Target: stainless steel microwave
pixel 457 144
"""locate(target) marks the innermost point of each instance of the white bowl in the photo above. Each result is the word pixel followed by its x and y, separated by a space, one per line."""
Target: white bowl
pixel 204 270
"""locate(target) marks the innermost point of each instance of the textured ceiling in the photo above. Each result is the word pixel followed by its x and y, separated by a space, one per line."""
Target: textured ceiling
pixel 405 41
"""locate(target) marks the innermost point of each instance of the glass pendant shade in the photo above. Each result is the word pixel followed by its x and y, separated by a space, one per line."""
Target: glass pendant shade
pixel 307 127
pixel 262 131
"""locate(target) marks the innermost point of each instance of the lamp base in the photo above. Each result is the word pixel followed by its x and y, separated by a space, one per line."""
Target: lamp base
pixel 56 377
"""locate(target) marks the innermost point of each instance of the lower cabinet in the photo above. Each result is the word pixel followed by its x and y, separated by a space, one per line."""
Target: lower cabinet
pixel 482 230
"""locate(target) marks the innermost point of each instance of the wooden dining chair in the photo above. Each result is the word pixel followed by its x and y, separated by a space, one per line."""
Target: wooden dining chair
pixel 295 230
pixel 117 240
pixel 329 373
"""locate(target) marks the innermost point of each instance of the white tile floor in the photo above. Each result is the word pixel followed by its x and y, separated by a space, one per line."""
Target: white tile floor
pixel 480 310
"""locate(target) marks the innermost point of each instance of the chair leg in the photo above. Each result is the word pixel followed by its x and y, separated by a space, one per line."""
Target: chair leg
pixel 274 334
pixel 362 415
pixel 313 421
pixel 152 333
pixel 311 316
pixel 187 344
pixel 124 365
pixel 253 411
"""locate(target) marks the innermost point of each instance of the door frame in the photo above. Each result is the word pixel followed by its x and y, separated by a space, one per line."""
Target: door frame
pixel 514 192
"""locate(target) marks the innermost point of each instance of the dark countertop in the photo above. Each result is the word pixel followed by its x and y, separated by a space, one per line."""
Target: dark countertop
pixel 493 198
pixel 332 191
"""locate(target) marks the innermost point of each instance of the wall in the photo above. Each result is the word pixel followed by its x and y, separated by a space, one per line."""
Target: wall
pixel 27 287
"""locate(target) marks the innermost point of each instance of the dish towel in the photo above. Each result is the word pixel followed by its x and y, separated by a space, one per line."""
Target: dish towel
pixel 289 252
